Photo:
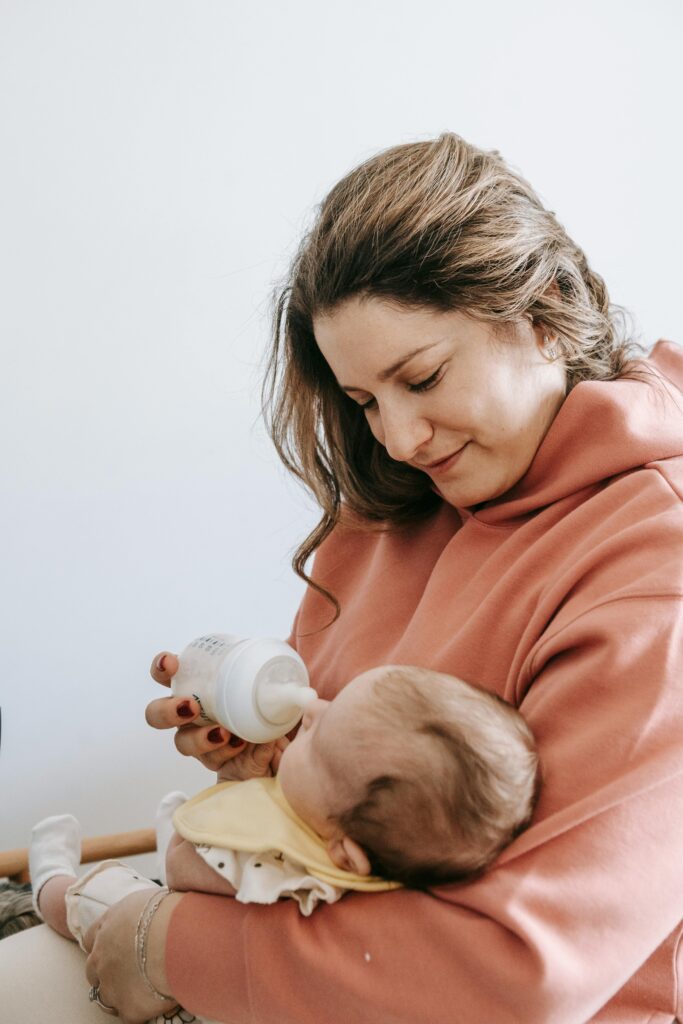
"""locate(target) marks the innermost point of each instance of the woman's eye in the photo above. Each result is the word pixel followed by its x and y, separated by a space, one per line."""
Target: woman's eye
pixel 425 385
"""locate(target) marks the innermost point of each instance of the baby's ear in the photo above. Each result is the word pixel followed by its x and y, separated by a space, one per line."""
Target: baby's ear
pixel 348 855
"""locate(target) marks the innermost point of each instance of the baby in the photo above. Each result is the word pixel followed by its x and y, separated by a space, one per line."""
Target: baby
pixel 408 777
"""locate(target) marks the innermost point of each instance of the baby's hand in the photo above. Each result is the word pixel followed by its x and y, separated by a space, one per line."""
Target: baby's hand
pixel 256 761
pixel 280 747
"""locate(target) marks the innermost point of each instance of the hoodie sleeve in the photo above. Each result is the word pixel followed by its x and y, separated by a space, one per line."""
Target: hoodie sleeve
pixel 560 924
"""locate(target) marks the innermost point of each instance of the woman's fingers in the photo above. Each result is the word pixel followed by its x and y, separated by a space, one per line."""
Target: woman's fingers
pixel 170 712
pixel 89 942
pixel 164 667
pixel 212 744
pixel 193 741
pixel 198 741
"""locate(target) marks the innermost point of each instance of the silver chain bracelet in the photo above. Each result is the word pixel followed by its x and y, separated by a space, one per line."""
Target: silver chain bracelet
pixel 141 933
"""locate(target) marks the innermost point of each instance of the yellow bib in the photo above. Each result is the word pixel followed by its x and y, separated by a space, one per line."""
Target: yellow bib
pixel 254 817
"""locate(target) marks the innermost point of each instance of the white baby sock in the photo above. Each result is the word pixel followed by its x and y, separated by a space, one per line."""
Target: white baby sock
pixel 164 827
pixel 55 850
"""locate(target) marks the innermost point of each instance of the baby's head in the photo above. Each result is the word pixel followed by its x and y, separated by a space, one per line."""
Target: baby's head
pixel 412 775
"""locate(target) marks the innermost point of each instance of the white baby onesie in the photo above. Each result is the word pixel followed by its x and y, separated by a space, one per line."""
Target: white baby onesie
pixel 268 876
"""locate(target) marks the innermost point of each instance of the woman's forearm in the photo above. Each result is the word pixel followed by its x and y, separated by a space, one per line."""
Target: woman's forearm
pixel 546 934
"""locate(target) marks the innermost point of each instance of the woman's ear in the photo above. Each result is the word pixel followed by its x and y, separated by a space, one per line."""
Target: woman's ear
pixel 348 855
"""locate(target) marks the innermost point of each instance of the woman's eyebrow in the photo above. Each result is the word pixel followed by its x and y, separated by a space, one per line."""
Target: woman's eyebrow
pixel 392 370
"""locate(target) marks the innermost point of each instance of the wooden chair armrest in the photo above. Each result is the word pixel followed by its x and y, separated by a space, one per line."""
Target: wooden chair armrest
pixel 14 863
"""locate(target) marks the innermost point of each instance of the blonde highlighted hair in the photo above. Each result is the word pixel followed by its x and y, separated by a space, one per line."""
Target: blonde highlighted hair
pixel 438 224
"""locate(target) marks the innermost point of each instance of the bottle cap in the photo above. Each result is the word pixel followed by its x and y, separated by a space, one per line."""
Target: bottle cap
pixel 259 701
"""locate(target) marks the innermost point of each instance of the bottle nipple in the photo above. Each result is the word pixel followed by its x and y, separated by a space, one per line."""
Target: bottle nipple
pixel 278 702
pixel 299 695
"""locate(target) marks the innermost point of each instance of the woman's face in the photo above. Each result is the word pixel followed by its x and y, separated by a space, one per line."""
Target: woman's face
pixel 442 394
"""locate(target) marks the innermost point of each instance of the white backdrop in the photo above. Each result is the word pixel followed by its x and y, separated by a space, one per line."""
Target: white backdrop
pixel 159 161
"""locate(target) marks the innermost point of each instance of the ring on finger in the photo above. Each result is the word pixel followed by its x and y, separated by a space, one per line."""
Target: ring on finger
pixel 94 997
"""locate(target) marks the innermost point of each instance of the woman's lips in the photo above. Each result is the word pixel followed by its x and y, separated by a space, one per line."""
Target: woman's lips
pixel 439 468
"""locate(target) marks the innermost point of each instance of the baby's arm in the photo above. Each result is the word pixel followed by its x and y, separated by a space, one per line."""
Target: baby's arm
pixel 186 871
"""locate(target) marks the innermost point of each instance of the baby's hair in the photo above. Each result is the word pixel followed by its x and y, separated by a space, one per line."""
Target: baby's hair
pixel 462 780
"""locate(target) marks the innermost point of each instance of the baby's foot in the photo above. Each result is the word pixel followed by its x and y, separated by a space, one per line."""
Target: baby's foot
pixel 55 850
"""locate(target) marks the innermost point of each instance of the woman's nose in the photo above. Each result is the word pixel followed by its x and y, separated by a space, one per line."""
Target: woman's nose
pixel 403 434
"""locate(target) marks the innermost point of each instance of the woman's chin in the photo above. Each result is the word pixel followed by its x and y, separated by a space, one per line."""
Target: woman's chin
pixel 461 495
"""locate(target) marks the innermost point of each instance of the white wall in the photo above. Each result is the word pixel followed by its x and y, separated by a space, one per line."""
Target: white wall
pixel 159 160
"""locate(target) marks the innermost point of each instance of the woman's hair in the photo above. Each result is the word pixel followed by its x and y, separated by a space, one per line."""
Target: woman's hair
pixel 462 780
pixel 438 224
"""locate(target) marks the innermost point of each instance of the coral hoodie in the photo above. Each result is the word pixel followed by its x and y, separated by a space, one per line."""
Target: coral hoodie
pixel 564 597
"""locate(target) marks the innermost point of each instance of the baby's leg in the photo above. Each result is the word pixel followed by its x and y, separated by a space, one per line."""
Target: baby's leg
pixel 97 890
pixel 54 856
pixel 68 904
pixel 186 871
pixel 52 903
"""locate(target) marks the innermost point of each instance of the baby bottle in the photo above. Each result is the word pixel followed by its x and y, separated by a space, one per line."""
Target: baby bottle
pixel 257 688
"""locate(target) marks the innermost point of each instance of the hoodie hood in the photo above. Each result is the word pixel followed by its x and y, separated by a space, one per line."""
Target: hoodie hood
pixel 604 428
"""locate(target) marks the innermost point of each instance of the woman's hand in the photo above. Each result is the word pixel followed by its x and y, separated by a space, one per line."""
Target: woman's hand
pixel 112 962
pixel 218 750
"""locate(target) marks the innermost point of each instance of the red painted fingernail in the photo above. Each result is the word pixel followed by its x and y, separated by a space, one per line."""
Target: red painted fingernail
pixel 215 736
pixel 184 710
pixel 236 741
pixel 160 663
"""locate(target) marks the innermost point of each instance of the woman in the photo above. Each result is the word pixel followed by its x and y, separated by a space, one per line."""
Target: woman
pixel 500 480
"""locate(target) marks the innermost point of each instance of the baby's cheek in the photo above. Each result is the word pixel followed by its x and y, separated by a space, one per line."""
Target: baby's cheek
pixel 287 770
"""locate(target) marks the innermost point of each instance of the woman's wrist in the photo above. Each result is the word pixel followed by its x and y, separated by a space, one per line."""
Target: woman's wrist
pixel 155 962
